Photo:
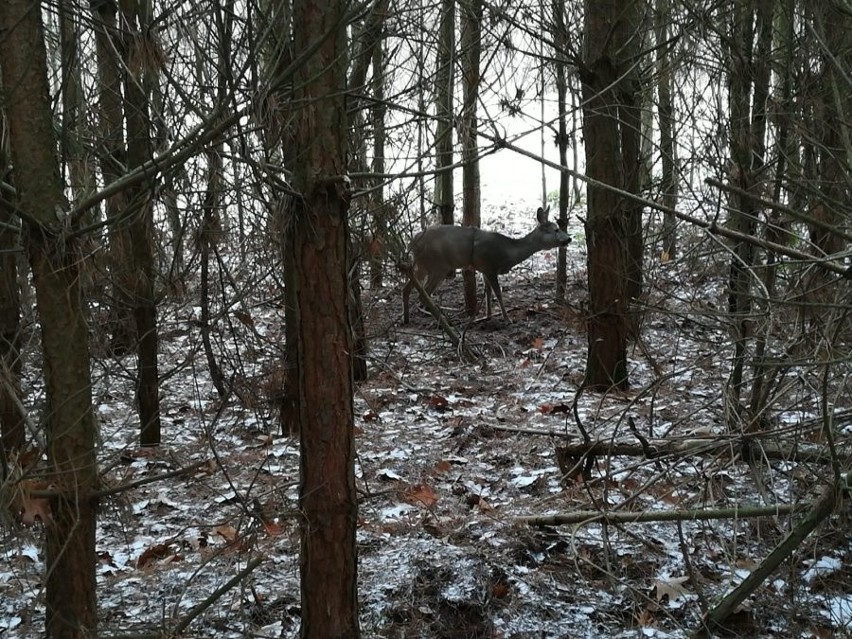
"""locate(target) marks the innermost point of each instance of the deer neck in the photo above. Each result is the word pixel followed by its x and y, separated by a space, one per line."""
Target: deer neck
pixel 524 247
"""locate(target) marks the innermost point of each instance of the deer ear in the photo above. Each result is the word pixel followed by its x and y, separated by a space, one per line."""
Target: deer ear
pixel 541 215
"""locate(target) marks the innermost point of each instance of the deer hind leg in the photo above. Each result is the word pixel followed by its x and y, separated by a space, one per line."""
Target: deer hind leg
pixel 429 284
pixel 492 284
pixel 406 291
pixel 416 272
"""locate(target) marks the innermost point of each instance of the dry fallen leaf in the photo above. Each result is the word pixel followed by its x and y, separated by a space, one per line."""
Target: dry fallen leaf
pixel 420 495
pixel 33 508
pixel 227 532
pixel 439 402
pixel 442 466
pixel 158 551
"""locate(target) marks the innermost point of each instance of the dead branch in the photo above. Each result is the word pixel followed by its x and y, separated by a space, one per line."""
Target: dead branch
pixel 466 352
pixel 820 509
pixel 751 447
pixel 585 517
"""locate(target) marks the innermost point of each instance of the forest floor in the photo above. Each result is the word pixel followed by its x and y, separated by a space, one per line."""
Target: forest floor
pixel 449 456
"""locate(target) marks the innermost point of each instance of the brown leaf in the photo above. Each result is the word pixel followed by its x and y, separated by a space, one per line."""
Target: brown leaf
pixel 500 589
pixel 245 318
pixel 158 551
pixel 554 409
pixel 227 532
pixel 442 466
pixel 420 495
pixel 439 402
pixel 33 508
pixel 538 343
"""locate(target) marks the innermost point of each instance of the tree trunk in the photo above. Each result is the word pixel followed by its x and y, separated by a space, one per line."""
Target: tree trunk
pixel 12 422
pixel 380 213
pixel 140 229
pixel 560 41
pixel 70 424
pixel 445 80
pixel 471 45
pixel 834 24
pixel 748 85
pixel 320 241
pixel 665 109
pixel 627 48
pixel 112 161
pixel 606 364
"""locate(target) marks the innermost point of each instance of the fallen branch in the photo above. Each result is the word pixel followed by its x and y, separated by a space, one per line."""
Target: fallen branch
pixel 467 354
pixel 597 516
pixel 195 612
pixel 751 447
pixel 823 506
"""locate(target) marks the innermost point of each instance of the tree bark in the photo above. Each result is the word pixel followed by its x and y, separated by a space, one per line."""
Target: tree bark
pixel 748 92
pixel 320 242
pixel 12 419
pixel 70 424
pixel 606 364
pixel 471 45
pixel 112 161
pixel 665 113
pixel 140 229
pixel 560 41
pixel 445 80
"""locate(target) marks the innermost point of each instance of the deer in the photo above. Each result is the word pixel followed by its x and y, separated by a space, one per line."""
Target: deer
pixel 441 249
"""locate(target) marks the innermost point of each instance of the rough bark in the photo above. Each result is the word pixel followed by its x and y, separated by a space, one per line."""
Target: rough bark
pixel 12 422
pixel 320 244
pixel 665 109
pixel 748 92
pixel 70 424
pixel 471 45
pixel 110 114
pixel 141 59
pixel 606 364
pixel 560 40
pixel 445 80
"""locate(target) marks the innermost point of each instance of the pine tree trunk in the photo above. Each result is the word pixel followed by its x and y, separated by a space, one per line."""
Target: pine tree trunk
pixel 445 79
pixel 70 425
pixel 471 45
pixel 560 40
pixel 327 496
pixel 606 364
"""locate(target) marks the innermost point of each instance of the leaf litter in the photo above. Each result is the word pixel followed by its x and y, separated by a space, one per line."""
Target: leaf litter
pixel 448 454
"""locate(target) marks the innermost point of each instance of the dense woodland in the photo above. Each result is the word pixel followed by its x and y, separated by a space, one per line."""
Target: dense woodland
pixel 216 421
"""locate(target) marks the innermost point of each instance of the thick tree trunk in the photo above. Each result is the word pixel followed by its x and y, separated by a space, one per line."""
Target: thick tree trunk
pixel 445 80
pixel 471 44
pixel 560 40
pixel 320 244
pixel 606 364
pixel 70 532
